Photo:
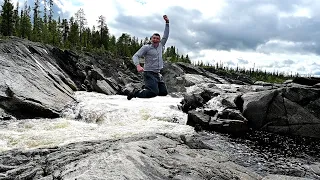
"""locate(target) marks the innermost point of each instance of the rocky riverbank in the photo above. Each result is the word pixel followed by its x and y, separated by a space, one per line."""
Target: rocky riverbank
pixel 235 120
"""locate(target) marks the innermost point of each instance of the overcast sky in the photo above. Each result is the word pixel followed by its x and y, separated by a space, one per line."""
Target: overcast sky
pixel 274 35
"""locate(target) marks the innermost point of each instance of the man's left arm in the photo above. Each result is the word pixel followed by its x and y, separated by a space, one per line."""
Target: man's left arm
pixel 166 31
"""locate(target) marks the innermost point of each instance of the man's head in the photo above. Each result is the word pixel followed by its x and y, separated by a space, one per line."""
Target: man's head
pixel 155 38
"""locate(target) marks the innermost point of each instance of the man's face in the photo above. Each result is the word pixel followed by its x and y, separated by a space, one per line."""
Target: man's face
pixel 155 39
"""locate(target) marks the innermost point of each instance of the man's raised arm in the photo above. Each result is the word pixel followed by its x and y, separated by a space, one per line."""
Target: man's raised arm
pixel 166 31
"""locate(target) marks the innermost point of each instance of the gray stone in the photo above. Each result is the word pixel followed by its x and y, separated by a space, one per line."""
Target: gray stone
pixel 203 121
pixel 283 177
pixel 286 111
pixel 149 157
pixel 255 107
pixel 262 83
pixel 31 82
pixel 317 85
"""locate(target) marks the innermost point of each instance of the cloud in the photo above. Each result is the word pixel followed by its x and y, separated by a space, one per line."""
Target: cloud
pixel 242 61
pixel 279 46
pixel 280 27
pixel 302 68
pixel 230 63
pixel 288 62
pixel 265 34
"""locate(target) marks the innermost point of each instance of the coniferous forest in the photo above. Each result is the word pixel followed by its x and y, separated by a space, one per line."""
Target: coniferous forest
pixel 37 23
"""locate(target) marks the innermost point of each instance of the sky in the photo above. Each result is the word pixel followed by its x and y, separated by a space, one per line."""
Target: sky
pixel 271 35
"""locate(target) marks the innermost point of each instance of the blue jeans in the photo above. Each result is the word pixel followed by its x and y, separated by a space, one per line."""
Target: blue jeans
pixel 153 85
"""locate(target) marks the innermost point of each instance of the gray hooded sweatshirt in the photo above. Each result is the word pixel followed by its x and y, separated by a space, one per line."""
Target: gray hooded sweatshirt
pixel 152 55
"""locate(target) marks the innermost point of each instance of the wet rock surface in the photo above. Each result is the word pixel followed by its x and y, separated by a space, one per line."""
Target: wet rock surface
pixel 268 153
pixel 39 81
pixel 164 156
pixel 203 121
pixel 256 155
pixel 151 157
pixel 290 110
pixel 31 82
pixel 306 80
pixel 286 111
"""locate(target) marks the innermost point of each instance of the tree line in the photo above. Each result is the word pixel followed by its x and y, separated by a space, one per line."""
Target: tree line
pixel 72 33
pixel 255 73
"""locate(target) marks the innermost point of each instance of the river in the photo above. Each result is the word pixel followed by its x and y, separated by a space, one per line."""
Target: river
pixel 106 117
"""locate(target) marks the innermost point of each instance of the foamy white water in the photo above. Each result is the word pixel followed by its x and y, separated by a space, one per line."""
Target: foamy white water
pixel 97 117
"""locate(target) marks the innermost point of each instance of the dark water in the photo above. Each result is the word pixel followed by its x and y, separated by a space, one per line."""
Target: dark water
pixel 268 153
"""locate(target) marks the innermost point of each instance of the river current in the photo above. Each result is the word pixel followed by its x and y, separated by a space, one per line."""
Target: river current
pixel 104 117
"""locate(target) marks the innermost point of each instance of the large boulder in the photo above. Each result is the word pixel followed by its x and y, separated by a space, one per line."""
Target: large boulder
pixel 173 77
pixel 214 110
pixel 98 73
pixel 191 69
pixel 31 82
pixel 291 110
pixel 149 157
pixel 309 81
pixel 179 76
pixel 232 123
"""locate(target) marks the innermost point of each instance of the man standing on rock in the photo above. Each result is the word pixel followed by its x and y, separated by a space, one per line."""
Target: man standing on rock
pixel 153 80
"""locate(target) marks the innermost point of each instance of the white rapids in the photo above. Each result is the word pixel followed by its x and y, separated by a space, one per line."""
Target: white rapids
pixel 97 117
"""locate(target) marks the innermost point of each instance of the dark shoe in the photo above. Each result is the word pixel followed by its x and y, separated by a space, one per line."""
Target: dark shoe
pixel 132 94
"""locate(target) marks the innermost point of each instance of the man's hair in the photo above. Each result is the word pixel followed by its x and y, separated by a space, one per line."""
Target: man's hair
pixel 156 34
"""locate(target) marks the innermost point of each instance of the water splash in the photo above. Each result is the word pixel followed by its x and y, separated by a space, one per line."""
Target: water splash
pixel 96 117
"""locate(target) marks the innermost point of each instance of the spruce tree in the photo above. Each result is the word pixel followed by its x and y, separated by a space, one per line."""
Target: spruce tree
pixel 16 21
pixel 96 38
pixel 50 15
pixel 81 21
pixel 56 35
pixel 187 59
pixel 28 23
pixel 65 29
pixel 7 22
pixel 45 16
pixel 73 37
pixel 112 44
pixel 104 32
pixel 36 21
pixel 88 38
pixel 25 22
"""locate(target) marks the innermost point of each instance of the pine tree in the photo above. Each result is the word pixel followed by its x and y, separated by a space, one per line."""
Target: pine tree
pixel 55 34
pixel 87 38
pixel 187 60
pixel 95 39
pixel 104 32
pixel 182 59
pixel 21 22
pixel 7 22
pixel 73 37
pixel 123 45
pixel 81 21
pixel 44 25
pixel 26 26
pixel 134 45
pixel 45 16
pixel 65 29
pixel 146 40
pixel 36 21
pixel 112 44
pixel 17 21
pixel 50 16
